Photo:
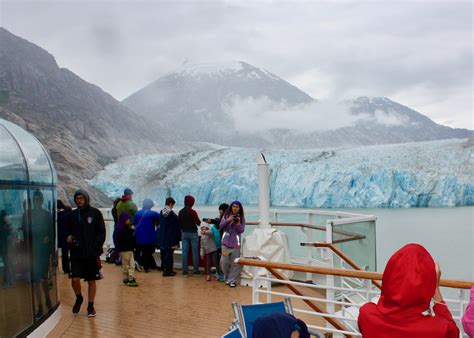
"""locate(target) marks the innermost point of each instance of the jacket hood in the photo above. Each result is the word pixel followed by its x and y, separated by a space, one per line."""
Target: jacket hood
pixel 236 202
pixel 409 282
pixel 148 203
pixel 126 198
pixel 189 201
pixel 166 211
pixel 83 193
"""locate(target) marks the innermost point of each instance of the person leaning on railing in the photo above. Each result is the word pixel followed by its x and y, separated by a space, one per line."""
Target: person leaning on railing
pixel 410 281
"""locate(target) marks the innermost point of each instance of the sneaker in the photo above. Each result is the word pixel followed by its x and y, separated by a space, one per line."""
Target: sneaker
pixel 185 273
pixel 132 282
pixel 208 278
pixel 173 273
pixel 232 285
pixel 91 311
pixel 196 273
pixel 125 281
pixel 77 305
pixel 147 270
pixel 221 278
pixel 138 267
pixel 168 274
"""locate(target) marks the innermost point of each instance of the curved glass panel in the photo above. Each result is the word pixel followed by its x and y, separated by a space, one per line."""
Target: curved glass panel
pixel 38 160
pixel 16 311
pixel 38 225
pixel 12 165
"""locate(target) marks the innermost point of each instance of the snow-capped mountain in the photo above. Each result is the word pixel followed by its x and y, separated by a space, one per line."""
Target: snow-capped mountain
pixel 238 104
pixel 419 174
pixel 191 102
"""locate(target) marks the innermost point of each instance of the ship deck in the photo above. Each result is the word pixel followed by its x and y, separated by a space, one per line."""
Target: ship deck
pixel 179 306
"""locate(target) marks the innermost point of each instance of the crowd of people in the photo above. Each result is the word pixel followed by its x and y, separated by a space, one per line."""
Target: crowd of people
pixel 410 281
pixel 137 235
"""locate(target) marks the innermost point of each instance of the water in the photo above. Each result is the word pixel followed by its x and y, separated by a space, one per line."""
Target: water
pixel 447 233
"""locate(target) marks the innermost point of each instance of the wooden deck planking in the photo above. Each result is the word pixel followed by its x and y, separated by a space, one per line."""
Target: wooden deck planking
pixel 177 306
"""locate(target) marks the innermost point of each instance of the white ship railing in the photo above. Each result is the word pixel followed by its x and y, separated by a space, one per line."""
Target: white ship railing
pixel 347 314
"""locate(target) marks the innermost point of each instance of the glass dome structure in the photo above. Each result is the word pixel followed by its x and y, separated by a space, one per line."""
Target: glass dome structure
pixel 28 254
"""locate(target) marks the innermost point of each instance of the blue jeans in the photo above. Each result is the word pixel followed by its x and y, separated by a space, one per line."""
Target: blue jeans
pixel 190 238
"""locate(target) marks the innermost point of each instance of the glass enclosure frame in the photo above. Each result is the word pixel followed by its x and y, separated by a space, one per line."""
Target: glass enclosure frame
pixel 28 244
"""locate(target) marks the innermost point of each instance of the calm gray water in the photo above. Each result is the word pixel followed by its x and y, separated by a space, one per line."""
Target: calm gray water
pixel 447 233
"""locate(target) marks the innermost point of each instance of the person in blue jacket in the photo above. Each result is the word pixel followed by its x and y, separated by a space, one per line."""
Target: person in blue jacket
pixel 169 235
pixel 146 223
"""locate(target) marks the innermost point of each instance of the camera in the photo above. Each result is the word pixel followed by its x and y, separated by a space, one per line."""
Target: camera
pixel 207 220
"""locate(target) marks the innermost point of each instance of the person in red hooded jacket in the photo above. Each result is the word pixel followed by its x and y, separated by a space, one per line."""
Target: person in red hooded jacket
pixel 410 281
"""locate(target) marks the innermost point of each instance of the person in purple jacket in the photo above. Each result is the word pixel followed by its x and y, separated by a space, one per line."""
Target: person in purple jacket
pixel 233 225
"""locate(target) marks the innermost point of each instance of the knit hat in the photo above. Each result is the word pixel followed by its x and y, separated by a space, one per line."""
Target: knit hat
pixel 148 203
pixel 128 191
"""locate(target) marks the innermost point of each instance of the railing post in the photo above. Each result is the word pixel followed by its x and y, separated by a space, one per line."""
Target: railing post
pixel 269 287
pixel 255 289
pixel 330 279
pixel 461 305
pixel 263 192
pixel 309 251
pixel 368 286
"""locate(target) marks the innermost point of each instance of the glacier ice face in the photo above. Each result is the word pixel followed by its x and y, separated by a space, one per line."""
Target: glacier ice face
pixel 422 174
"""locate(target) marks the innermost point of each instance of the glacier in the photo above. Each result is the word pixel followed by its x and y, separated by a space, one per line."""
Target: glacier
pixel 417 174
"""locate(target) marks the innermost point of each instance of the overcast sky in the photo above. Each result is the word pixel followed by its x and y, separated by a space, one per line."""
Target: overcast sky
pixel 418 53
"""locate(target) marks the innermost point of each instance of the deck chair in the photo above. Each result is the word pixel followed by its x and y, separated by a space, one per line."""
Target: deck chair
pixel 234 333
pixel 246 315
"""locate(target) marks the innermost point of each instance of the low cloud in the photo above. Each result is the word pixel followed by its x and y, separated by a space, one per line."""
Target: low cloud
pixel 390 119
pixel 258 114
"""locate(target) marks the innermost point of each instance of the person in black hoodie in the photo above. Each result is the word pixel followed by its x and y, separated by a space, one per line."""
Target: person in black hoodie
pixel 86 235
pixel 169 234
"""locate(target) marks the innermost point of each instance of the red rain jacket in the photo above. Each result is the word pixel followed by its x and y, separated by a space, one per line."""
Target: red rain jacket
pixel 408 284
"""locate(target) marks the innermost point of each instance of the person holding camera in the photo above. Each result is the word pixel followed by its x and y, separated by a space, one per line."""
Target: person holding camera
pixel 233 225
pixel 86 235
pixel 218 233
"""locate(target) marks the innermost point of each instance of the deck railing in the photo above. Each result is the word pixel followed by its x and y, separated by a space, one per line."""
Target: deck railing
pixel 344 320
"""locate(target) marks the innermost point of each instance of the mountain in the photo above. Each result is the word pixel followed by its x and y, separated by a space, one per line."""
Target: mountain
pixel 206 102
pixel 415 174
pixel 83 127
pixel 191 102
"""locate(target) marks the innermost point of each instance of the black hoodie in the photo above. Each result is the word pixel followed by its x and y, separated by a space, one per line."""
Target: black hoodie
pixel 87 226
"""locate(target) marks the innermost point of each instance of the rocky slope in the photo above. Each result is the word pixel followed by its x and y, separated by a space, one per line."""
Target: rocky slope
pixel 83 127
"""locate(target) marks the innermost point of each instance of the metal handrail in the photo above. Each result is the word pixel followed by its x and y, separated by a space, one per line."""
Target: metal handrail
pixel 341 254
pixel 449 283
